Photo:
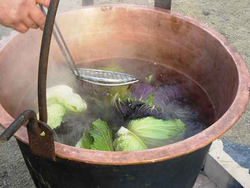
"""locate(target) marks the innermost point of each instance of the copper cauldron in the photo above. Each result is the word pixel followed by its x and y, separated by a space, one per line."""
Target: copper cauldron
pixel 133 32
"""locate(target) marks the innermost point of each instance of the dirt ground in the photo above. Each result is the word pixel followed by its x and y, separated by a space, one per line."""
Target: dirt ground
pixel 230 17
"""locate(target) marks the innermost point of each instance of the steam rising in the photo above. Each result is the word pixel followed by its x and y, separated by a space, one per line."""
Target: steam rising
pixel 22 85
pixel 98 98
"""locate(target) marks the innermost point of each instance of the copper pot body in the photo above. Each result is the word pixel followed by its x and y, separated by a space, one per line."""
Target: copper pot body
pixel 148 34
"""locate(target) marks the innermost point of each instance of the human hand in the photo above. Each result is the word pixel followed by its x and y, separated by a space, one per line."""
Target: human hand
pixel 22 15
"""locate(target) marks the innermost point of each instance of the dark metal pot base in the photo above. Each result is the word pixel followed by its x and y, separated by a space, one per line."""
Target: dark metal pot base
pixel 175 173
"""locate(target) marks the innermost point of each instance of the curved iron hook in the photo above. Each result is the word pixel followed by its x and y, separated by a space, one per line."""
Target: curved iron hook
pixel 44 57
pixel 28 115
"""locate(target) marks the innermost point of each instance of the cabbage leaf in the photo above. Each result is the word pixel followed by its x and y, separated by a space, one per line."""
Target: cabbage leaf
pixel 57 92
pixel 149 79
pixel 86 141
pixel 64 95
pixel 102 136
pixel 157 132
pixel 98 138
pixel 60 100
pixel 55 114
pixel 73 102
pixel 128 141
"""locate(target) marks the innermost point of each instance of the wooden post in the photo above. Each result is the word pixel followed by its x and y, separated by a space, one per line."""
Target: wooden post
pixel 87 2
pixel 163 4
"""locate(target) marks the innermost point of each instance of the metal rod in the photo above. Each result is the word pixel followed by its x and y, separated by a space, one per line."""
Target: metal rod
pixel 67 49
pixel 63 46
pixel 21 120
pixel 44 57
pixel 63 51
pixel 42 146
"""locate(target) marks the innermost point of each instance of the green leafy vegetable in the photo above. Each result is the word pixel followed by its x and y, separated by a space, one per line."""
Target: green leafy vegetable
pixel 157 132
pixel 102 136
pixel 55 114
pixel 73 102
pixel 85 142
pixel 57 92
pixel 122 91
pixel 147 133
pixel 150 100
pixel 141 134
pixel 98 138
pixel 112 67
pixel 149 79
pixel 128 141
pixel 64 95
pixel 60 100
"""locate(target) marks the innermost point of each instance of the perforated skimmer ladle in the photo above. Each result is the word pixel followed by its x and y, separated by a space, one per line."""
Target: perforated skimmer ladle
pixel 93 76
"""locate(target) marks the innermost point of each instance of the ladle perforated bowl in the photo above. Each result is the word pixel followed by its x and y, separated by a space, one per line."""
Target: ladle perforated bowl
pixel 132 32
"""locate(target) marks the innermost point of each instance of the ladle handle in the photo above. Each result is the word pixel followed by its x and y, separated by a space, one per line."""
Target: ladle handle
pixel 166 4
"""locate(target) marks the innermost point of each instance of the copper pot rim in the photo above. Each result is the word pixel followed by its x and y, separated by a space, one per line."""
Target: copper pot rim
pixel 171 151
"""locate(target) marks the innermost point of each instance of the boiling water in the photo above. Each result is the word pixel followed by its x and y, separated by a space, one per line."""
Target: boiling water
pixel 189 98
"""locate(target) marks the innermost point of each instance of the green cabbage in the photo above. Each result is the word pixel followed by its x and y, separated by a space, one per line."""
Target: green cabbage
pixel 64 95
pixel 157 132
pixel 112 91
pixel 72 102
pixel 98 138
pixel 55 114
pixel 102 136
pixel 141 134
pixel 60 100
pixel 86 141
pixel 112 67
pixel 128 141
pixel 149 79
pixel 57 92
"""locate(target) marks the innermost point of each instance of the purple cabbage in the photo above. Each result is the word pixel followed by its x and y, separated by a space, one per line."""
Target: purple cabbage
pixel 144 100
pixel 141 92
pixel 167 94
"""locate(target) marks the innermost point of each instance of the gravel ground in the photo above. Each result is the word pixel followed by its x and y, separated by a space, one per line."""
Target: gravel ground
pixel 230 17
